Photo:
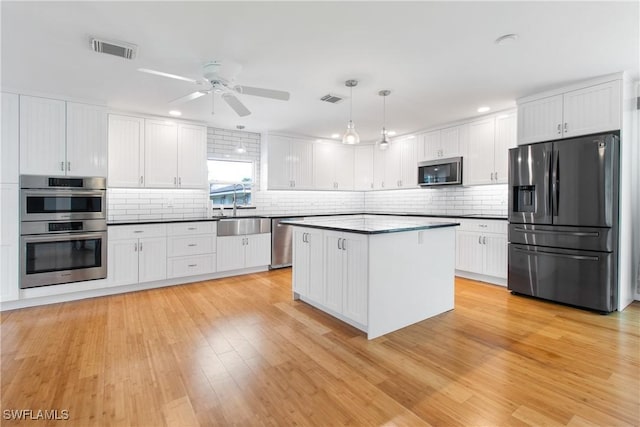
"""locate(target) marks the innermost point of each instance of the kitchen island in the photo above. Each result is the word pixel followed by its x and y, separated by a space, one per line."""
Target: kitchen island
pixel 376 273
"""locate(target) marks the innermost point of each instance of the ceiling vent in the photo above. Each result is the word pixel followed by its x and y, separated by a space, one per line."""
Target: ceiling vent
pixel 333 99
pixel 121 49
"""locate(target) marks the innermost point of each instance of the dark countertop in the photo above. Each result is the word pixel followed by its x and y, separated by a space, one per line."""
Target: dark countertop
pixel 371 224
pixel 409 215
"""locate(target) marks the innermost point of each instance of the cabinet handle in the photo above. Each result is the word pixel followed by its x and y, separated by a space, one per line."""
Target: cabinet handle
pixel 135 247
pixel 304 235
pixel 482 225
pixel 140 246
pixel 294 183
pixel 491 176
pixel 339 239
pixel 68 166
pixel 141 180
pixel 191 228
pixel 496 176
pixel 247 239
pixel 191 245
pixel 559 128
pixel 382 184
pixel 62 166
pixel 180 181
pixel 484 240
pixel 479 240
pixel 565 127
pixel 372 185
pixel 192 265
pixel 308 235
pixel 175 180
pixel 138 231
pixel 344 244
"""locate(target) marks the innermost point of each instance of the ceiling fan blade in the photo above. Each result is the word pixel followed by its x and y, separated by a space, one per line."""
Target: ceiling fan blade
pixel 190 97
pixel 235 104
pixel 265 93
pixel 171 76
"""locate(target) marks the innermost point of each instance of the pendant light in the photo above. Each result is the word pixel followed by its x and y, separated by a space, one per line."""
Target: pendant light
pixel 384 142
pixel 240 147
pixel 351 136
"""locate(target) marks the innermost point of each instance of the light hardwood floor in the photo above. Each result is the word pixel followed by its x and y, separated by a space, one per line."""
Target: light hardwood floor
pixel 239 351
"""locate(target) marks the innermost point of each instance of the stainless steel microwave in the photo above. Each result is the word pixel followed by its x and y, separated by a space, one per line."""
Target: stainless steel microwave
pixel 440 172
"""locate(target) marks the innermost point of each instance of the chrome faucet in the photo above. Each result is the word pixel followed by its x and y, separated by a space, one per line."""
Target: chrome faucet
pixel 235 197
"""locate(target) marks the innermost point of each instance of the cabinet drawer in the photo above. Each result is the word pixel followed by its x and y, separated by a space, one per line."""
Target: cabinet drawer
pixel 191 245
pixel 187 228
pixel 190 266
pixel 484 226
pixel 118 232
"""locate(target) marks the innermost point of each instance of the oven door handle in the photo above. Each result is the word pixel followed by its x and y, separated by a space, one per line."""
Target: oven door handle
pixel 58 192
pixel 57 237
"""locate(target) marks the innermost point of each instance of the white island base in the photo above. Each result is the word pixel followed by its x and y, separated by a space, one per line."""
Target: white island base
pixel 377 282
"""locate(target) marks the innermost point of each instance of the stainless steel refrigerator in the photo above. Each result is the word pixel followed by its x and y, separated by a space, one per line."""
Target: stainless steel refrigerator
pixel 563 220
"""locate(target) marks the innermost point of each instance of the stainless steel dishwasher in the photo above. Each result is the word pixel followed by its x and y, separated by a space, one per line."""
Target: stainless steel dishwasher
pixel 281 243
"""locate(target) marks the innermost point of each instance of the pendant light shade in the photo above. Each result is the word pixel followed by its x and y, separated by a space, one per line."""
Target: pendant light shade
pixel 351 136
pixel 383 144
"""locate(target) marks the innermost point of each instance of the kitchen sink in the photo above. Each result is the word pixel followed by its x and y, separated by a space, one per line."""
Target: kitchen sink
pixel 242 226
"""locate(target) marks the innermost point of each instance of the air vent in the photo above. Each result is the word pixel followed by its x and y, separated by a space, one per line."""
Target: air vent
pixel 333 99
pixel 121 49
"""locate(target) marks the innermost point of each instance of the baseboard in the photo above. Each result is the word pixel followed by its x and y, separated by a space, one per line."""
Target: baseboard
pixel 482 278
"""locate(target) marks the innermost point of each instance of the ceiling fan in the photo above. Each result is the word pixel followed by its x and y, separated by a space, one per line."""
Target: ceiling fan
pixel 213 82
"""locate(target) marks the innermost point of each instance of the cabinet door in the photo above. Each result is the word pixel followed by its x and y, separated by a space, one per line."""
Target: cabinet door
pixel 324 165
pixel 505 139
pixel 315 242
pixel 301 161
pixel 495 259
pixel 42 136
pixel 450 141
pixel 540 120
pixel 333 272
pixel 126 151
pixel 9 242
pixel 257 250
pixel 9 158
pixel 86 140
pixel 160 150
pixel 593 109
pixel 192 156
pixel 469 252
pixel 279 163
pixel 122 262
pixel 431 145
pixel 408 164
pixel 356 285
pixel 393 166
pixel 300 274
pixel 152 259
pixel 379 169
pixel 478 166
pixel 230 253
pixel 343 161
pixel 363 167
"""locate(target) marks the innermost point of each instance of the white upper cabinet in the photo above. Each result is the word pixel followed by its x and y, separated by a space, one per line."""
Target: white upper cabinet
pixel 486 157
pixel 9 172
pixel 396 167
pixel 126 151
pixel 161 147
pixel 86 140
pixel 363 167
pixel 156 153
pixel 192 156
pixel 290 163
pixel 62 138
pixel 42 136
pixel 332 166
pixel 592 109
pixel 442 143
pixel 408 164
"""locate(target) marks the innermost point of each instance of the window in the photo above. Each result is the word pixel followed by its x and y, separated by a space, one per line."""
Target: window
pixel 229 177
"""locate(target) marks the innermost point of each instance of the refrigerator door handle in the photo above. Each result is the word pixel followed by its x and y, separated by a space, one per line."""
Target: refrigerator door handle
pixel 555 186
pixel 559 255
pixel 548 202
pixel 570 233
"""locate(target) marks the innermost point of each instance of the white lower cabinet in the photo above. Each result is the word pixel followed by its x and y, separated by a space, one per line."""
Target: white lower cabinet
pixel 9 242
pixel 191 249
pixel 481 248
pixel 330 269
pixel 237 252
pixel 136 254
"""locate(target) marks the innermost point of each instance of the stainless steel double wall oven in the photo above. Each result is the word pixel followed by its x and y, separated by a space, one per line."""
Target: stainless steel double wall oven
pixel 63 230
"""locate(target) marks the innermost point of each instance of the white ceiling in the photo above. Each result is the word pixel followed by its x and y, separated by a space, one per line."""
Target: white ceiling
pixel 438 59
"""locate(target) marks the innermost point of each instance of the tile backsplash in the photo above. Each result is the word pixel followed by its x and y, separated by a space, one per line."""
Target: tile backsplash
pixel 137 204
pixel 308 202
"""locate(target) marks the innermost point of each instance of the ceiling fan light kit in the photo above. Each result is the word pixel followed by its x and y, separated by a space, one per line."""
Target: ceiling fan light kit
pixel 351 136
pixel 383 144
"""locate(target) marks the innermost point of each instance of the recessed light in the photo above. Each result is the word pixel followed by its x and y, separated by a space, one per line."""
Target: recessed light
pixel 391 133
pixel 483 109
pixel 335 135
pixel 175 113
pixel 506 39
